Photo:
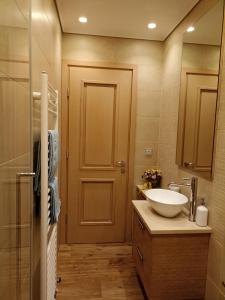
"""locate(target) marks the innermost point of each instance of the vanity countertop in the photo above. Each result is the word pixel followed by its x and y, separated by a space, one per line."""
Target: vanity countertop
pixel 161 225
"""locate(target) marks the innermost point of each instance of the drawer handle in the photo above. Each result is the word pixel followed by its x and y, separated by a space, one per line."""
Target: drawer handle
pixel 141 225
pixel 139 254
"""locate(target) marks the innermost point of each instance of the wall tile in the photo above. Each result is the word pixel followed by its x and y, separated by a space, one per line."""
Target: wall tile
pixel 148 103
pixel 204 57
pixel 215 255
pixel 147 129
pixel 212 292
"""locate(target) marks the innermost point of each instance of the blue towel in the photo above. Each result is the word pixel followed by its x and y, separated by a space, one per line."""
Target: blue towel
pixel 37 178
pixel 53 158
pixel 55 202
pixel 53 153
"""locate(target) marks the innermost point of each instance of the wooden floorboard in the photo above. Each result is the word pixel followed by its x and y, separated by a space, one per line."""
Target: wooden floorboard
pixel 97 272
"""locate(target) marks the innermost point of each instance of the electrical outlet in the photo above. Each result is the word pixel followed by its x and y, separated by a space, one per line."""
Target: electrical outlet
pixel 148 151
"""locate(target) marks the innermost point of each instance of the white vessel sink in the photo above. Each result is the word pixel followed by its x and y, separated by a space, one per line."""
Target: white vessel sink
pixel 165 202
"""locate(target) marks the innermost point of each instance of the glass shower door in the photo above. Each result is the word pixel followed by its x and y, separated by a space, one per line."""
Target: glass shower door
pixel 16 196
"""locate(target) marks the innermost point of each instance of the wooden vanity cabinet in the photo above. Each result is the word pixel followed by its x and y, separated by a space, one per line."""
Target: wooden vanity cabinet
pixel 170 266
pixel 140 192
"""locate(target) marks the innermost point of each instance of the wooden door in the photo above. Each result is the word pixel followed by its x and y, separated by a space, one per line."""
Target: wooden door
pixel 98 143
pixel 197 120
pixel 201 98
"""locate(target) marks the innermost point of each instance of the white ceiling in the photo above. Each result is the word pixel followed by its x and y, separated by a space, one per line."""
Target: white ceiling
pixel 123 18
pixel 208 30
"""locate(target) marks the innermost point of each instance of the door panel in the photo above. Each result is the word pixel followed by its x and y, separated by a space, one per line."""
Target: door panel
pixel 201 96
pixel 98 125
pixel 97 201
pixel 206 127
pixel 98 137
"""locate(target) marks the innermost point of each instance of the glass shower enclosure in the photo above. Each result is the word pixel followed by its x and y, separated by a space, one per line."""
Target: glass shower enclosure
pixel 16 188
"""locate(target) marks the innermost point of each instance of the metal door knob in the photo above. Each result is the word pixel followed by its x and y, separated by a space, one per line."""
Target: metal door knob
pixel 120 163
pixel 188 164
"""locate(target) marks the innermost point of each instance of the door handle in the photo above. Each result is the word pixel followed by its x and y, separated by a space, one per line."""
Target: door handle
pixel 188 164
pixel 122 165
pixel 29 174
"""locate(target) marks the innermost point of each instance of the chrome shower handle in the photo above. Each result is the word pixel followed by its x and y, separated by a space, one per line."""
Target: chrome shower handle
pixel 25 174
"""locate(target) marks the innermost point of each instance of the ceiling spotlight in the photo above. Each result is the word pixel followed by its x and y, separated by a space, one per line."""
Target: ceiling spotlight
pixel 190 29
pixel 82 20
pixel 152 25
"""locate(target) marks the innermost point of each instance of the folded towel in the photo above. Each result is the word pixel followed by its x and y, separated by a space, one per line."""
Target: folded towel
pixel 55 202
pixel 53 153
pixel 53 158
pixel 37 178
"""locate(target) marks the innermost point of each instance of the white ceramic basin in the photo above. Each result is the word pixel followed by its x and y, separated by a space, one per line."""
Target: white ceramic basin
pixel 165 202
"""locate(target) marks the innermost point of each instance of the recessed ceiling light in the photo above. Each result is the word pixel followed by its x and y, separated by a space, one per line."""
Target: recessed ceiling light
pixel 152 25
pixel 190 29
pixel 82 20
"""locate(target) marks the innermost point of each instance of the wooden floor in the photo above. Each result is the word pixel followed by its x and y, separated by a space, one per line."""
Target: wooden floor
pixel 97 272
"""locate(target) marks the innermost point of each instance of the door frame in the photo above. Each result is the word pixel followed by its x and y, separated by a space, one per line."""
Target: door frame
pixel 66 64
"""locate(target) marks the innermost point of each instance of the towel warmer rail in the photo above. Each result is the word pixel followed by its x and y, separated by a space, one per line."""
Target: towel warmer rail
pixel 48 98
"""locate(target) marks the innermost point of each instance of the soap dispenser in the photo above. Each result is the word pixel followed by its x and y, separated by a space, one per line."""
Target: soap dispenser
pixel 202 214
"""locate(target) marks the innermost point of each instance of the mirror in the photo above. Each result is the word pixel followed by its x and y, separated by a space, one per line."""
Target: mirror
pixel 198 92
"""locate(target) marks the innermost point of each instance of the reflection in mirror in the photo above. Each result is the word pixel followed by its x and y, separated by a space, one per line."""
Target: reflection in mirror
pixel 198 93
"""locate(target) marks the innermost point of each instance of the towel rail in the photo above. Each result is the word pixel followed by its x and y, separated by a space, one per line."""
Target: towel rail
pixel 52 102
pixel 52 90
pixel 48 98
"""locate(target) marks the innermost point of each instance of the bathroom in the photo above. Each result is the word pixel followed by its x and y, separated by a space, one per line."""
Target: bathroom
pixel 115 50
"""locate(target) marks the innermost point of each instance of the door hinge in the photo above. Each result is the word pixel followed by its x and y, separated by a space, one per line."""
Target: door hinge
pixel 68 93
pixel 67 154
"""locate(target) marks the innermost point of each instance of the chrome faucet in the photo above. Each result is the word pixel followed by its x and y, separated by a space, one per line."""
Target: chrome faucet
pixel 193 184
pixel 193 198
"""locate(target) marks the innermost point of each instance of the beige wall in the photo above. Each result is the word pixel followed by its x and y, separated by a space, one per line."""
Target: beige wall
pixel 203 57
pixel 214 190
pixel 147 55
pixel 45 43
pixel 45 56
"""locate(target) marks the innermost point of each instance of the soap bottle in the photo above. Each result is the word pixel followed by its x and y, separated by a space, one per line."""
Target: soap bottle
pixel 202 214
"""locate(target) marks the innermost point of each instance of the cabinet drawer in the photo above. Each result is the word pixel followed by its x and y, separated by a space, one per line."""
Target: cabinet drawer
pixel 141 236
pixel 143 266
pixel 142 250
pixel 139 261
